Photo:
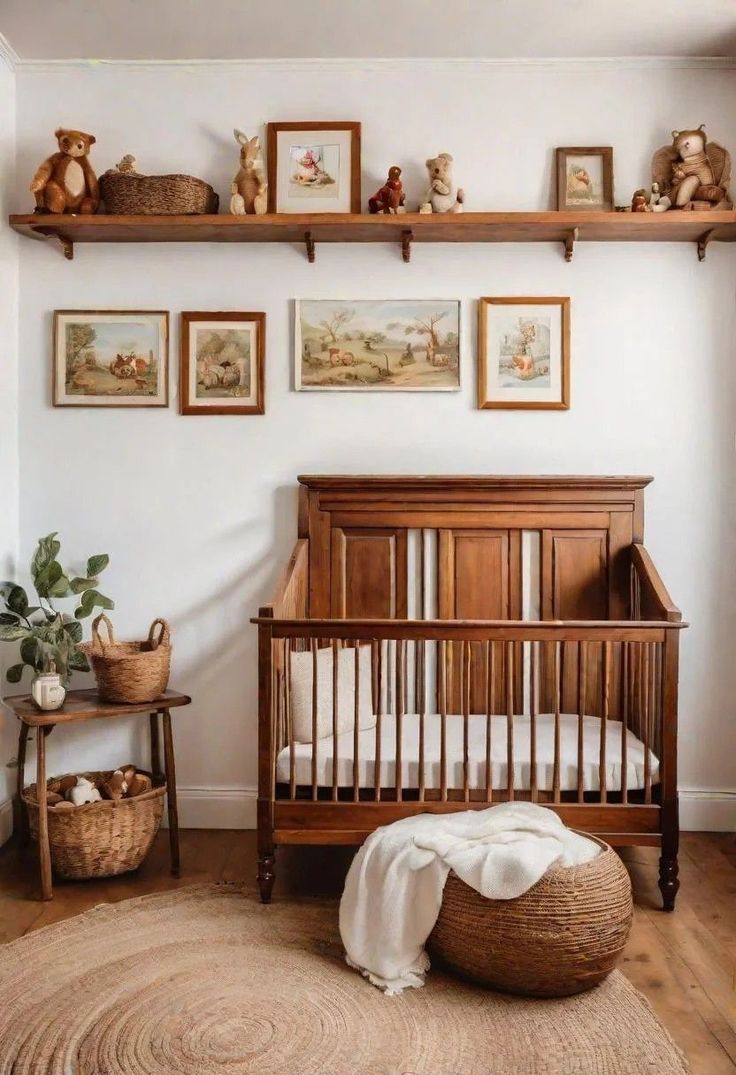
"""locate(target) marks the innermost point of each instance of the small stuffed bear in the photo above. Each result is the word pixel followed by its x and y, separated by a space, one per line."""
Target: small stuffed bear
pixel 442 196
pixel 65 182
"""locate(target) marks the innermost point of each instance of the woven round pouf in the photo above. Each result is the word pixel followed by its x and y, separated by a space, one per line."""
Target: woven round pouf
pixel 561 937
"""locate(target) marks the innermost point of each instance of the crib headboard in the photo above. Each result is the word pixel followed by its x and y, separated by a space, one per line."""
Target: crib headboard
pixel 470 547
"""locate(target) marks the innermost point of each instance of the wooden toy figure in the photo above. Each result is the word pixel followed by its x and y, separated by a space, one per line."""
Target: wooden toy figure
pixel 390 198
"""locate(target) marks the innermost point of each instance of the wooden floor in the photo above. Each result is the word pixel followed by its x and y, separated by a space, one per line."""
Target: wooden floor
pixel 685 962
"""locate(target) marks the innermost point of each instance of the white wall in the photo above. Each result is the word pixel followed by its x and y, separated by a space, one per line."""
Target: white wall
pixel 8 399
pixel 198 514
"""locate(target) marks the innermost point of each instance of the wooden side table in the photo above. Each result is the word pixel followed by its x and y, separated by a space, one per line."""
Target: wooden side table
pixel 86 705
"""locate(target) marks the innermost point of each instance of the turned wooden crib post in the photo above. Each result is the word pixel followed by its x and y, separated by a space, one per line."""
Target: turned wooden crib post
pixel 668 868
pixel 266 848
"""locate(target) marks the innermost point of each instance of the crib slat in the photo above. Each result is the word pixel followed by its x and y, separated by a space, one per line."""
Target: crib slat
pixel 335 649
pixel 379 708
pixel 466 720
pixel 400 701
pixel 625 672
pixel 314 716
pixel 605 702
pixel 356 725
pixel 645 675
pixel 510 720
pixel 533 712
pixel 443 719
pixel 489 671
pixel 421 657
pixel 290 725
pixel 582 681
pixel 557 682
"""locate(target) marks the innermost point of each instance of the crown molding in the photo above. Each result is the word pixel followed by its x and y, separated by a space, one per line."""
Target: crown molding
pixel 582 64
pixel 8 56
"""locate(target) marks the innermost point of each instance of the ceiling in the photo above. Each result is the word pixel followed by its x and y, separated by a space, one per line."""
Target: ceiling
pixel 247 29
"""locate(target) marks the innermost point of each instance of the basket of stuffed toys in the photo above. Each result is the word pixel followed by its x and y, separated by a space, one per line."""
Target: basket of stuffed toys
pixel 100 824
pixel 131 672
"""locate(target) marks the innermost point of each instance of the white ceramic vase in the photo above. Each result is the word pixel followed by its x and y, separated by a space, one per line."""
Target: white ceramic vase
pixel 48 691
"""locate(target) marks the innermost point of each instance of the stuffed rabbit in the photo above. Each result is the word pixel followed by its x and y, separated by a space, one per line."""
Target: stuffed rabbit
pixel 249 188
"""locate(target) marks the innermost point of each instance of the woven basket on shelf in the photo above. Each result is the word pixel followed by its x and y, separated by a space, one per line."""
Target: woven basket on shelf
pixel 561 937
pixel 149 195
pixel 99 839
pixel 130 672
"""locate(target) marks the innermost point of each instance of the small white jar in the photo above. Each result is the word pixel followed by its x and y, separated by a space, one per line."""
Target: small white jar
pixel 48 691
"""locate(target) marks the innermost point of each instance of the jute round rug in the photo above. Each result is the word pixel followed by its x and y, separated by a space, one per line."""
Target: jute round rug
pixel 206 981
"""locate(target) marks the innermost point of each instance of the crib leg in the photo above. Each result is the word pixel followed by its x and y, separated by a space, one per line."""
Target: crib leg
pixel 266 874
pixel 668 868
pixel 668 881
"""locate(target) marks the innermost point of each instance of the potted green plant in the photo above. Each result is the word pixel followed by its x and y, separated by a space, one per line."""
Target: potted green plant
pixel 49 638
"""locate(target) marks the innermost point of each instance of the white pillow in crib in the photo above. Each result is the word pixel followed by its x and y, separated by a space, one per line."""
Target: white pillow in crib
pixel 301 692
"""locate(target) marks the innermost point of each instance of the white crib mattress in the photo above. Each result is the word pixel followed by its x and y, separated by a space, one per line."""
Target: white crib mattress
pixel 545 725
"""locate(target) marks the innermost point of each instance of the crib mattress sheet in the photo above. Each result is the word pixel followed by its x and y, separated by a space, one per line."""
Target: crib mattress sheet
pixel 545 733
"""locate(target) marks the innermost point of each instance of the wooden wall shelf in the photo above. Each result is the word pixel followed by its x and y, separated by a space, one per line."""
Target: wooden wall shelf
pixel 404 230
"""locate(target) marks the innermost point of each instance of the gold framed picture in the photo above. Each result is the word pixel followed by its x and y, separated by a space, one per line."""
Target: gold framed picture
pixel 585 178
pixel 111 358
pixel 524 353
pixel 222 363
pixel 314 167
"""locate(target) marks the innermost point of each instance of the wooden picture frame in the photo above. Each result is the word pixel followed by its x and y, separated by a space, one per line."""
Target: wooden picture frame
pixel 310 194
pixel 537 376
pixel 595 183
pixel 110 358
pixel 235 385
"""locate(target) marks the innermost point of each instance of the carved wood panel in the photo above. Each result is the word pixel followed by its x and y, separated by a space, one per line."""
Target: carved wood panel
pixel 369 573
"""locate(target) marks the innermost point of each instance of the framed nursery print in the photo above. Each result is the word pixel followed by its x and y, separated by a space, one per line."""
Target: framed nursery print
pixel 111 358
pixel 585 178
pixel 222 363
pixel 385 345
pixel 524 353
pixel 314 167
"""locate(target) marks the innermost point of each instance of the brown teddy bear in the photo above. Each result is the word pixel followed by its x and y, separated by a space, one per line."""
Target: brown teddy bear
pixel 65 182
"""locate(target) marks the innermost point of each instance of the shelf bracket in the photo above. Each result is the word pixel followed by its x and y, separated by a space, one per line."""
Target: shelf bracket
pixel 570 240
pixel 703 243
pixel 309 243
pixel 407 238
pixel 67 244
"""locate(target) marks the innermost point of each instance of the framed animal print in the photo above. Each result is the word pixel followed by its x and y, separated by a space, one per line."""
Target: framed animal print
pixel 314 167
pixel 222 363
pixel 524 353
pixel 111 358
pixel 385 345
pixel 585 179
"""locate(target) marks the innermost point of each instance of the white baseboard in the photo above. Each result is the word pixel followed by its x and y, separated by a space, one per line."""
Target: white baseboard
pixel 706 810
pixel 701 810
pixel 217 808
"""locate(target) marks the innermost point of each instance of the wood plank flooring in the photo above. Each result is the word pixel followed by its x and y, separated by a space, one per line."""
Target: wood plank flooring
pixel 684 963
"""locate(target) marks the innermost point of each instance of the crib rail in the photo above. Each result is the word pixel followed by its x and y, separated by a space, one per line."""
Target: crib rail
pixel 466 712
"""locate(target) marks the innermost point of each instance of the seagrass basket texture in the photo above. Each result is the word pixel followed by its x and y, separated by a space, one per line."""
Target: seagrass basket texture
pixel 99 839
pixel 562 936
pixel 152 195
pixel 131 672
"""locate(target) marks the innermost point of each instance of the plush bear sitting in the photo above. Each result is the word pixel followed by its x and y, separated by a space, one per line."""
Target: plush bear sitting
pixel 442 196
pixel 65 182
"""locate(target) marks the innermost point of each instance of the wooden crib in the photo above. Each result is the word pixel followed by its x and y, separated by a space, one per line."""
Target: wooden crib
pixel 464 641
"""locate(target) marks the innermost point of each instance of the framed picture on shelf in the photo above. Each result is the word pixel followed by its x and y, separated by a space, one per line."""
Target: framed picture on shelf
pixel 386 345
pixel 111 358
pixel 585 178
pixel 222 363
pixel 524 353
pixel 314 167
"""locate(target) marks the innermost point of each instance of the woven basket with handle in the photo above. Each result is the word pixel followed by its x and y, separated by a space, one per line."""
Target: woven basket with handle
pixel 130 672
pixel 562 936
pixel 99 839
pixel 152 195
